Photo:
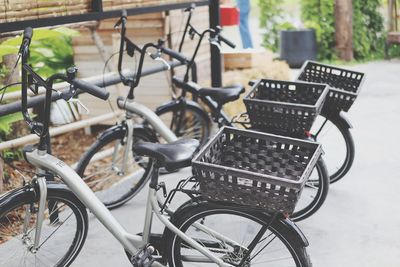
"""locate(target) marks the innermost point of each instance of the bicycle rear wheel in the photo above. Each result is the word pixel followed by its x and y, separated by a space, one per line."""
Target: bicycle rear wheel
pixel 314 193
pixel 206 224
pixel 63 233
pixel 338 144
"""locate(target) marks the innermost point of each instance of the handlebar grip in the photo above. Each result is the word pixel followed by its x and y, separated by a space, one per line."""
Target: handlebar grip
pixel 226 41
pixel 92 89
pixel 28 33
pixel 174 54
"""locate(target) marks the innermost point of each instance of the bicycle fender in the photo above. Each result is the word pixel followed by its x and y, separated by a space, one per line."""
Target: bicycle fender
pixel 121 129
pixel 178 103
pixel 167 105
pixel 29 193
pixel 343 119
pixel 26 192
pixel 295 232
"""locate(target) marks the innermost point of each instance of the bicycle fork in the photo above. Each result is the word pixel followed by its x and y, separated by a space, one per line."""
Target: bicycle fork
pixel 128 145
pixel 42 188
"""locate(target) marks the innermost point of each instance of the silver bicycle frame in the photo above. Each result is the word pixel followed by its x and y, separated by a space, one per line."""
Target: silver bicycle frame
pixel 130 242
pixel 133 107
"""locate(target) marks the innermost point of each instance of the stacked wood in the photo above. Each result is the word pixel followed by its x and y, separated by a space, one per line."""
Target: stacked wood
pixel 246 58
pixel 17 10
pixel 121 4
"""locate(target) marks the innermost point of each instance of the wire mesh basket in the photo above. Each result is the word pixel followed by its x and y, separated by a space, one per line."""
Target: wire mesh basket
pixel 282 107
pixel 344 85
pixel 255 169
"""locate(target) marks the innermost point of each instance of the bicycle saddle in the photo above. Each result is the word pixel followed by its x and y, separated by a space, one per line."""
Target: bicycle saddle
pixel 223 95
pixel 172 156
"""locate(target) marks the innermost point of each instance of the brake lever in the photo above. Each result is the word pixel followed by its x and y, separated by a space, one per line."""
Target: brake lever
pixel 215 42
pixel 69 97
pixel 157 57
pixel 164 61
pixel 78 102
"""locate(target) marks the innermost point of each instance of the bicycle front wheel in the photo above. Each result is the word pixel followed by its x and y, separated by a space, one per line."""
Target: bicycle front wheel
pixel 63 232
pixel 227 233
pixel 186 121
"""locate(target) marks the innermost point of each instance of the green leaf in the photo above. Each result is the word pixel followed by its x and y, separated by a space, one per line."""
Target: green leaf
pixel 7 50
pixel 67 31
pixel 38 34
pixel 7 120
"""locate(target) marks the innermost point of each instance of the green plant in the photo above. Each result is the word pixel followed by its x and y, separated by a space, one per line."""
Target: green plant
pixel 320 15
pixel 271 16
pixel 368 29
pixel 50 52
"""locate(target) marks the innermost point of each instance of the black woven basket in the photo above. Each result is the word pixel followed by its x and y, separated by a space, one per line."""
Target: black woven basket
pixel 255 169
pixel 282 107
pixel 344 85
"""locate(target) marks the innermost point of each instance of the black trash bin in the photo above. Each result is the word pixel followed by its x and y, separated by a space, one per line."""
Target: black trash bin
pixel 297 46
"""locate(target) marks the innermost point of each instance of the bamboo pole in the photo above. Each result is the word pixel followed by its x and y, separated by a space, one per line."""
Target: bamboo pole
pixel 9 62
pixel 32 138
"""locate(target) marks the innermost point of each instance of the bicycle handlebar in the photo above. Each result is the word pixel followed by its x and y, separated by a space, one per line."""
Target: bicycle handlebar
pixel 29 77
pixel 28 33
pixel 92 89
pixel 226 41
pixel 174 54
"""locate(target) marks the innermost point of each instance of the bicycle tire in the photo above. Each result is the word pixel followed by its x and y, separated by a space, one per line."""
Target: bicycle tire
pixel 319 198
pixel 122 196
pixel 12 206
pixel 344 168
pixel 184 218
pixel 172 111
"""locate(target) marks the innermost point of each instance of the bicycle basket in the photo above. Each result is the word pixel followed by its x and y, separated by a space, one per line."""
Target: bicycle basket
pixel 255 169
pixel 287 108
pixel 344 85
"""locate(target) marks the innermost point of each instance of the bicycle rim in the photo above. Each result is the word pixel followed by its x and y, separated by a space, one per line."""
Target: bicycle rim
pixel 239 228
pixel 113 179
pixel 61 237
pixel 335 142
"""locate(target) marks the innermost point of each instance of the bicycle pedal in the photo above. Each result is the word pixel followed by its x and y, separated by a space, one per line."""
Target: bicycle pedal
pixel 144 257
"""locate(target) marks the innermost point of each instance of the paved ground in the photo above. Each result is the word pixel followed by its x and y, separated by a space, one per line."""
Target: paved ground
pixel 359 225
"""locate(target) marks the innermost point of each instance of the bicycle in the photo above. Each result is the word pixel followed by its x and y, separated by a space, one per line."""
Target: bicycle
pixel 332 128
pixel 185 115
pixel 109 166
pixel 318 184
pixel 333 124
pixel 37 218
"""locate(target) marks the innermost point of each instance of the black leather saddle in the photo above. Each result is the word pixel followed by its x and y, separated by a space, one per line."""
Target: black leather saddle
pixel 223 95
pixel 172 156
